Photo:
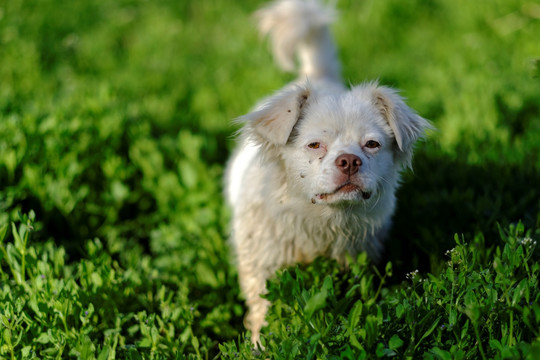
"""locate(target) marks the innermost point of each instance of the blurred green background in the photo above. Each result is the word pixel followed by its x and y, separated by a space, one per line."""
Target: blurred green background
pixel 115 123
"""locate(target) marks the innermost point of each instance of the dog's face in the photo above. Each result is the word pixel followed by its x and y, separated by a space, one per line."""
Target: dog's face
pixel 339 149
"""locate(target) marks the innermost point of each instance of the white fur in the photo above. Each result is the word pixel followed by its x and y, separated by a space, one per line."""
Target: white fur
pixel 308 178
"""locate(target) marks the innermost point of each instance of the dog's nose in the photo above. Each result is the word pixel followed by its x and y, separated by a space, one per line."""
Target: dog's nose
pixel 348 163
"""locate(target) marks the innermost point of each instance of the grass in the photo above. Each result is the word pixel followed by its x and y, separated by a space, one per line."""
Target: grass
pixel 115 125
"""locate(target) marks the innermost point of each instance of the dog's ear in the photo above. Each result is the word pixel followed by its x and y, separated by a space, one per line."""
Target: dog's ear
pixel 275 119
pixel 406 125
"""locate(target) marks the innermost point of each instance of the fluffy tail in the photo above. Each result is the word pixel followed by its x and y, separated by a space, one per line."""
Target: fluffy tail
pixel 300 27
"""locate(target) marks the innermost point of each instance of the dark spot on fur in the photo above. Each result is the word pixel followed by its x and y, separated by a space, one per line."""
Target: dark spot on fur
pixel 313 201
pixel 302 99
pixel 310 161
pixel 288 110
pixel 302 176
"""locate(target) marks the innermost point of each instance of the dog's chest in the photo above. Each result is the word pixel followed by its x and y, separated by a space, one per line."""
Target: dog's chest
pixel 307 238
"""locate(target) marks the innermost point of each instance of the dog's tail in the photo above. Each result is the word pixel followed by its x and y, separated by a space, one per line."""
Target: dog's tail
pixel 300 28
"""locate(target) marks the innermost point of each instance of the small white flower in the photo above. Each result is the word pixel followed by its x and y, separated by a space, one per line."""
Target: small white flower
pixel 412 274
pixel 528 242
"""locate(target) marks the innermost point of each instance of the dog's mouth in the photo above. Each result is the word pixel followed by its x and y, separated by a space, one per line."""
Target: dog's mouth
pixel 346 190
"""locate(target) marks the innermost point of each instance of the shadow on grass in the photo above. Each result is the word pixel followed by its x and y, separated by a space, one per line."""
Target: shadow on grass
pixel 444 197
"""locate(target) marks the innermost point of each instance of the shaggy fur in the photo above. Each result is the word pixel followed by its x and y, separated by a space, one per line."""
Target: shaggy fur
pixel 317 166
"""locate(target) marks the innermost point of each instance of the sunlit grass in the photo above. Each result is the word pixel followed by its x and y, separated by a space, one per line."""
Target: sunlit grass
pixel 115 125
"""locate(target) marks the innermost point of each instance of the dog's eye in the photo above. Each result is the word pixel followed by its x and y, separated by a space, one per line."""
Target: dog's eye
pixel 372 144
pixel 314 145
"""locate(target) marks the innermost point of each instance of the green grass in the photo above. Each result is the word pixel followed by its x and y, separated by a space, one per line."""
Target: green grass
pixel 115 125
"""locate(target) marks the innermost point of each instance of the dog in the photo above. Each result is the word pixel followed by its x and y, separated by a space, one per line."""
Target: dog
pixel 317 164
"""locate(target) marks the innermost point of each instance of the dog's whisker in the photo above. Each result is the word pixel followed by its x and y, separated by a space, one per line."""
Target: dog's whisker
pixel 380 177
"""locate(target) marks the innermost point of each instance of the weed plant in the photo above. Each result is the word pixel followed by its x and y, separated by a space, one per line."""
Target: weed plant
pixel 472 310
pixel 114 131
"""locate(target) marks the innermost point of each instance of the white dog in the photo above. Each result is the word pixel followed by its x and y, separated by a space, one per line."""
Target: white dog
pixel 317 166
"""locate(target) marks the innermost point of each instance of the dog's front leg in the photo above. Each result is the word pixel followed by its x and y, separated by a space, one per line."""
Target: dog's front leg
pixel 253 284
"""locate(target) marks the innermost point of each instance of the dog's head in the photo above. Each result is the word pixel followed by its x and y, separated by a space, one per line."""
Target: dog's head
pixel 342 148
